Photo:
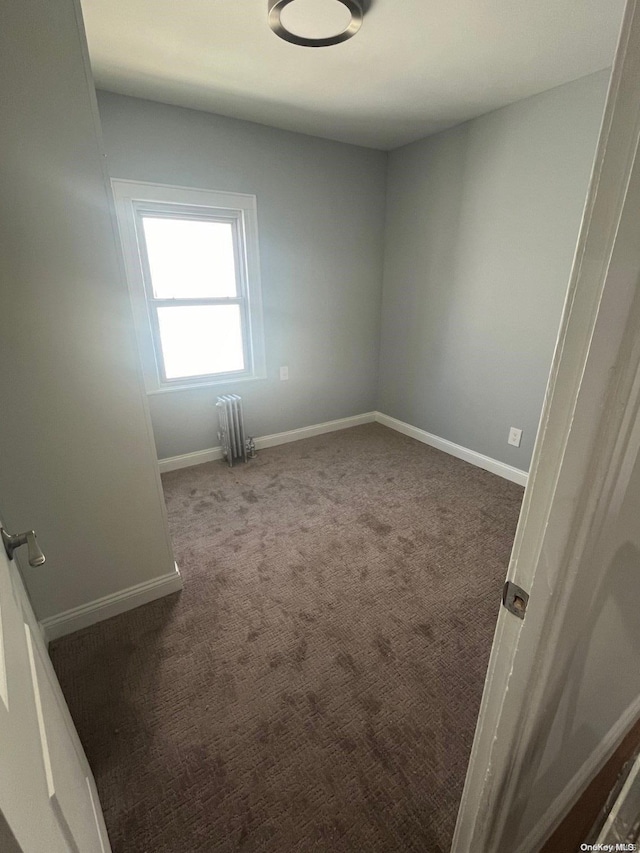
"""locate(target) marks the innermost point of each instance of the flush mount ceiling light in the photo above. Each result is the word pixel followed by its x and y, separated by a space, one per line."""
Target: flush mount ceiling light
pixel 315 23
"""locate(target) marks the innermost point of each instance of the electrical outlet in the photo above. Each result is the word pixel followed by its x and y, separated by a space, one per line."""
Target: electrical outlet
pixel 515 436
pixel 284 373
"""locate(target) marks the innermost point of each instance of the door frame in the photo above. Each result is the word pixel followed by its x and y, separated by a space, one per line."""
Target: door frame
pixel 586 445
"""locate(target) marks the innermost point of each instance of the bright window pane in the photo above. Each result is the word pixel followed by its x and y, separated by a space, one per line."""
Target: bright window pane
pixel 201 339
pixel 190 258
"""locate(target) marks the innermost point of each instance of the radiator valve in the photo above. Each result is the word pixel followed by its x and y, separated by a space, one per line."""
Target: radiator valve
pixel 251 447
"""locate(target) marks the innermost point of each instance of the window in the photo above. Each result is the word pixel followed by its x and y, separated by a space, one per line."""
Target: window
pixel 192 264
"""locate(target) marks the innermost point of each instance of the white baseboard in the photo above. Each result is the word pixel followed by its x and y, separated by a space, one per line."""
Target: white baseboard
pixel 110 605
pixel 172 463
pixel 565 801
pixel 314 429
pixel 186 460
pixel 477 459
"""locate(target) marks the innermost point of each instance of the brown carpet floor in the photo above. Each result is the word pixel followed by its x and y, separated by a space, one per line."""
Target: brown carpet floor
pixel 315 686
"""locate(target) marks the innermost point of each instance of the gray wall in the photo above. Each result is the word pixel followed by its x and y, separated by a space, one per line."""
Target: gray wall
pixel 482 222
pixel 320 219
pixel 76 457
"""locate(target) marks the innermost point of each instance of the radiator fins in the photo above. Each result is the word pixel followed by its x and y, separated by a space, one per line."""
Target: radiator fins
pixel 235 446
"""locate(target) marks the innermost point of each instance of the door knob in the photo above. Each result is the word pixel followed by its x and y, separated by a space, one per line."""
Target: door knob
pixel 35 555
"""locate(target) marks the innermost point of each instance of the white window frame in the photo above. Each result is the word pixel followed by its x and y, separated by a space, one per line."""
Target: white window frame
pixel 133 200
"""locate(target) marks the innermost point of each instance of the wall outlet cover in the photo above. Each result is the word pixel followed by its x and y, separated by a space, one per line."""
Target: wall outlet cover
pixel 515 436
pixel 284 373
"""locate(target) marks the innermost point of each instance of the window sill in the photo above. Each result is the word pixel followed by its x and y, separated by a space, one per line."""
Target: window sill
pixel 213 383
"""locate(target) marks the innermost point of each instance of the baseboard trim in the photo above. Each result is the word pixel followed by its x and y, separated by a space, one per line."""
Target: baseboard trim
pixel 457 450
pixel 186 460
pixel 199 457
pixel 110 605
pixel 314 429
pixel 565 801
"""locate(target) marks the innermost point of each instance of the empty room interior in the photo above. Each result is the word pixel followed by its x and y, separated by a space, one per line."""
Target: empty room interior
pixel 340 274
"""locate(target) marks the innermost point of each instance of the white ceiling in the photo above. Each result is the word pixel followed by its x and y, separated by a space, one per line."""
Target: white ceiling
pixel 415 67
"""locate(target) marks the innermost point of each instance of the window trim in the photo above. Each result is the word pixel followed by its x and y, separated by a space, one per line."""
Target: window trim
pixel 134 199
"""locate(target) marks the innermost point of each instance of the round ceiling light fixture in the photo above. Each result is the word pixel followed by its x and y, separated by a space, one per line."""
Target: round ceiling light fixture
pixel 315 23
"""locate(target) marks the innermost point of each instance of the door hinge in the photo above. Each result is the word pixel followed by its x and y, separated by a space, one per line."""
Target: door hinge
pixel 515 599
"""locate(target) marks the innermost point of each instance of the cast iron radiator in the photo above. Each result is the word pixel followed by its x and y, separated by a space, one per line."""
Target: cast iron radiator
pixel 236 447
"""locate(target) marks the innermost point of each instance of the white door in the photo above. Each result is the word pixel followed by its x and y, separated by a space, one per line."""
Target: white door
pixel 48 800
pixel 533 752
